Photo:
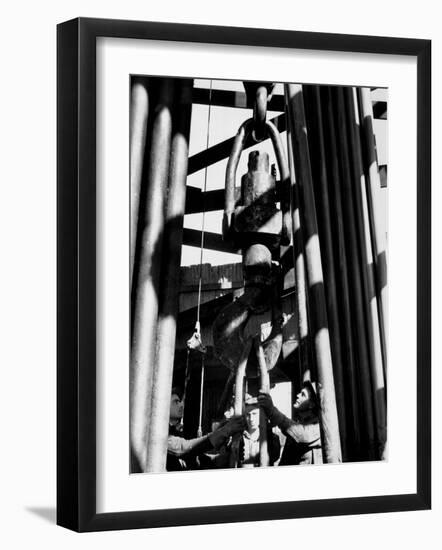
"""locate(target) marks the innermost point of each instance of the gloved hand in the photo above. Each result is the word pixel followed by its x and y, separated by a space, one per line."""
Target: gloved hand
pixel 234 425
pixel 266 403
pixel 275 417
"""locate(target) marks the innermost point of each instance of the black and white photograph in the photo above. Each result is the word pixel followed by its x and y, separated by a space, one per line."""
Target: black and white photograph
pixel 220 285
pixel 258 274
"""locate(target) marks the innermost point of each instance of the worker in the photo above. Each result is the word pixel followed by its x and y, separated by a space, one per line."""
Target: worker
pixel 183 454
pixel 303 443
pixel 244 451
pixel 250 444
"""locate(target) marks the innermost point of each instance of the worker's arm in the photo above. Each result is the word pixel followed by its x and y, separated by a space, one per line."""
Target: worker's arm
pixel 276 417
pixel 301 433
pixel 308 434
pixel 178 446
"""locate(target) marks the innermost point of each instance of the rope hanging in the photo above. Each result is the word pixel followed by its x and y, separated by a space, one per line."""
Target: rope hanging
pixel 195 342
pixel 204 210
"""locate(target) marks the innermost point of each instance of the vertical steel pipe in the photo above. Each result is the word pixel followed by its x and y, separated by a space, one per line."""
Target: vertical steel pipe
pixel 320 182
pixel 170 273
pixel 366 256
pixel 199 432
pixel 226 396
pixel 317 305
pixel 298 265
pixel 139 111
pixel 360 329
pixel 146 289
pixel 342 283
pixel 265 388
pixel 238 404
pixel 378 236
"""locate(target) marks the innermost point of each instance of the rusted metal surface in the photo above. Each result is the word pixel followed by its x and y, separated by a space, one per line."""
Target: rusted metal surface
pixel 256 218
pixel 170 276
pixel 317 304
pixel 232 165
pixel 229 325
pixel 259 94
pixel 258 212
pixel 255 224
pixel 260 112
pixel 245 317
pixel 147 278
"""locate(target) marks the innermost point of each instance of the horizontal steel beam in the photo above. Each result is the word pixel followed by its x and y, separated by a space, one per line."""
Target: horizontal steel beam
pixel 212 241
pixel 197 201
pixel 238 100
pixel 222 150
pixel 206 287
pixel 229 98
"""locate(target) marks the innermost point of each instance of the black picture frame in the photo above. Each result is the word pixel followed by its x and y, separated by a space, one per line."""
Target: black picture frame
pixel 76 273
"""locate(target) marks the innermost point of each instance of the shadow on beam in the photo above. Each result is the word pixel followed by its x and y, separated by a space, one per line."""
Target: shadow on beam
pixel 222 150
pixel 229 98
pixel 212 241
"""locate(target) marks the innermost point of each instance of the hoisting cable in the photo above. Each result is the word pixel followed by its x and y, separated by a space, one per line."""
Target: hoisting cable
pixel 195 342
pixel 204 209
pixel 186 375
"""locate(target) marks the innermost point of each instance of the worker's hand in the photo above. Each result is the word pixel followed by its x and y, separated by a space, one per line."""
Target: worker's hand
pixel 265 402
pixel 234 425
